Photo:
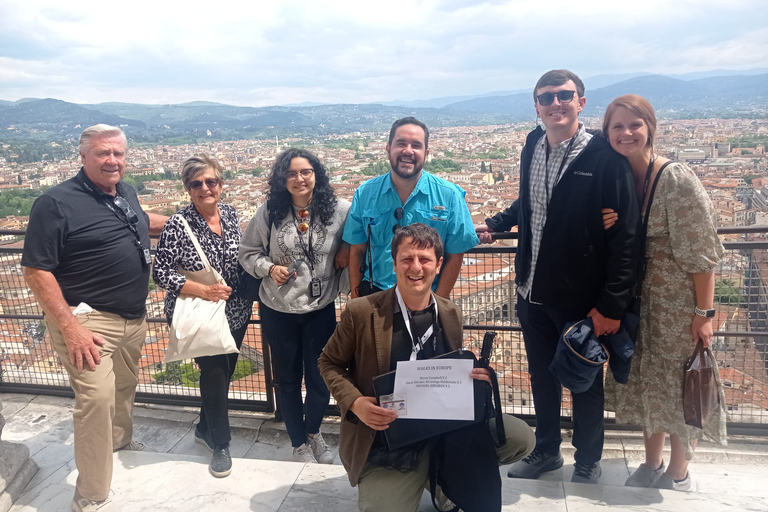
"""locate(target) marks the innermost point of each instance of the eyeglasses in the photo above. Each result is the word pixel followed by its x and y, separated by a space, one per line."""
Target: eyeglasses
pixel 198 184
pixel 398 217
pixel 548 97
pixel 127 210
pixel 305 173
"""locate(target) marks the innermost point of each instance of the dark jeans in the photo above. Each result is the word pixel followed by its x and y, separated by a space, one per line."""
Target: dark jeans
pixel 296 341
pixel 542 326
pixel 215 374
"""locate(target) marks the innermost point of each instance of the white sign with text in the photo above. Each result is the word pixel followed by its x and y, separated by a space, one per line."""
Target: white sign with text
pixel 436 389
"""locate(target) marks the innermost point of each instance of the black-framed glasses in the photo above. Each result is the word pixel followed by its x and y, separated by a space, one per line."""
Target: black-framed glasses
pixel 398 217
pixel 127 210
pixel 198 184
pixel 547 98
pixel 304 173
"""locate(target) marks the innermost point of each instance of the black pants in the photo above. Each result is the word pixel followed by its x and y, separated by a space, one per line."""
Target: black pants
pixel 542 326
pixel 296 342
pixel 215 374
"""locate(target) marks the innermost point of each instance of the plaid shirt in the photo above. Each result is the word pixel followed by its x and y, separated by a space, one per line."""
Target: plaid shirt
pixel 540 194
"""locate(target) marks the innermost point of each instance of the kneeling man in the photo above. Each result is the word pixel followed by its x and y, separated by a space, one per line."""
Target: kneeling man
pixel 370 339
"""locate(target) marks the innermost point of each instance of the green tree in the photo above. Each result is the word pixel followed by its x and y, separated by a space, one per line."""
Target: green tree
pixel 17 201
pixel 376 168
pixel 726 292
pixel 171 375
pixel 442 165
pixel 243 368
pixel 257 171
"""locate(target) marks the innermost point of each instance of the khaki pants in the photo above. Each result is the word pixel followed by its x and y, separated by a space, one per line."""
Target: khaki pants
pixel 103 398
pixel 389 490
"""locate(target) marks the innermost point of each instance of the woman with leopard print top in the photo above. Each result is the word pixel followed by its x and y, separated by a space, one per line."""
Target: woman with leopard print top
pixel 217 230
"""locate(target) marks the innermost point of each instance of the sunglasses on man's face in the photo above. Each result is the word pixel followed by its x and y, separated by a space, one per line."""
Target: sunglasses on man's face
pixel 198 184
pixel 547 98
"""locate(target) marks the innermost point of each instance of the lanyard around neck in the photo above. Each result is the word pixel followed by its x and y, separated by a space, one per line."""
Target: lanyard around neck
pixel 562 164
pixel 417 344
pixel 103 199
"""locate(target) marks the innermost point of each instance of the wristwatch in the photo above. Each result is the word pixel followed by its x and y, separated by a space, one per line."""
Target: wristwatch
pixel 706 313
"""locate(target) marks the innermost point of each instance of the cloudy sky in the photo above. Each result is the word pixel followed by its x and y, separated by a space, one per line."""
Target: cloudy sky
pixel 349 51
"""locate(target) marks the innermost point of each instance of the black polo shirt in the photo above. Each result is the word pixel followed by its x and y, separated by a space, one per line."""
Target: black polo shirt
pixel 89 248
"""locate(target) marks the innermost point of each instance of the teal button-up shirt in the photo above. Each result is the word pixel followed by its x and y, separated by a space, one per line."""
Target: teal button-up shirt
pixel 434 201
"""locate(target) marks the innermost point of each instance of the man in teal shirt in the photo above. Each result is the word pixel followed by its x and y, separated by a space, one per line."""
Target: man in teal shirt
pixel 403 196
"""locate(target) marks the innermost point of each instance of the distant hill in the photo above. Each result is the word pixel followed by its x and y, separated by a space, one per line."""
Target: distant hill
pixel 56 115
pixel 729 94
pixel 50 119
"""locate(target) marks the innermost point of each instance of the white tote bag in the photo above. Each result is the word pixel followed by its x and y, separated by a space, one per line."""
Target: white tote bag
pixel 199 327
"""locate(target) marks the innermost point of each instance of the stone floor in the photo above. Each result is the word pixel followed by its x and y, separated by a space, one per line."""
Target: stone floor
pixel 265 478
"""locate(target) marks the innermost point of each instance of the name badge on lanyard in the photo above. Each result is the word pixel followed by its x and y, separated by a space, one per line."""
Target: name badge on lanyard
pixel 417 344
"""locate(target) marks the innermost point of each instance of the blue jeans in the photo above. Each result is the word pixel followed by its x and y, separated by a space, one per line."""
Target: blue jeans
pixel 296 342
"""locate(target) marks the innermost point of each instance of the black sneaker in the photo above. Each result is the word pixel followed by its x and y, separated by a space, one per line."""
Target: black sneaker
pixel 536 463
pixel 221 463
pixel 586 473
pixel 202 439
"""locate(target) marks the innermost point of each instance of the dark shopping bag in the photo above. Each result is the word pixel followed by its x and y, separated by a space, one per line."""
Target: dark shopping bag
pixel 700 396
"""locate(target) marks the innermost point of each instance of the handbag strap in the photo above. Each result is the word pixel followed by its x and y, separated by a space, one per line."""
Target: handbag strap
pixel 199 249
pixel 644 231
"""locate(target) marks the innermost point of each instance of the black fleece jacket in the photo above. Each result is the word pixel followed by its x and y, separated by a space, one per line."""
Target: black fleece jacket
pixel 580 264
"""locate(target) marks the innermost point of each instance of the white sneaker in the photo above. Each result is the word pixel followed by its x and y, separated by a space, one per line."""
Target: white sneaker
pixel 304 453
pixel 80 504
pixel 320 449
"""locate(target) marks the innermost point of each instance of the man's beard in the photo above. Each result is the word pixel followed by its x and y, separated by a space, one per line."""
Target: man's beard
pixel 406 174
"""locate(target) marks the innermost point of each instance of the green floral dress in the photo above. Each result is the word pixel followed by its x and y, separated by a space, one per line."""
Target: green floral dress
pixel 682 240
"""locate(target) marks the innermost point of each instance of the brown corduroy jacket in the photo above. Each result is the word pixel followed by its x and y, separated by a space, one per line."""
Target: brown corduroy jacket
pixel 357 352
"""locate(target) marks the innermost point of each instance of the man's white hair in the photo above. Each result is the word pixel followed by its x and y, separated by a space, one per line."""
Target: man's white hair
pixel 98 131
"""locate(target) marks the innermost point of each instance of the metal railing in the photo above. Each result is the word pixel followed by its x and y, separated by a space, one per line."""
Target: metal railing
pixel 486 293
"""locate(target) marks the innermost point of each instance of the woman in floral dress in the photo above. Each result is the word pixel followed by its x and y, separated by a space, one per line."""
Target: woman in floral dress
pixel 682 250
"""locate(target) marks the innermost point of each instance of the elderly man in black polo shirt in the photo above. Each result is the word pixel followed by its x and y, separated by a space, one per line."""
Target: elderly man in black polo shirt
pixel 86 259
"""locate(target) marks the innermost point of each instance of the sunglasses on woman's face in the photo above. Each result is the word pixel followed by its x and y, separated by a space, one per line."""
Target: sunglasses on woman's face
pixel 198 184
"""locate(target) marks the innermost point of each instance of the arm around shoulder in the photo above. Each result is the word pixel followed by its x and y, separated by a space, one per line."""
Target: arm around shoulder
pixel 504 220
pixel 620 240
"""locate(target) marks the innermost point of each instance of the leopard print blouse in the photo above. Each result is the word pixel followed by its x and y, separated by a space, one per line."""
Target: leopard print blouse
pixel 175 249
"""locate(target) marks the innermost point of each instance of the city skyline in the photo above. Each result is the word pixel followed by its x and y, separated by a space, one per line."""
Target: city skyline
pixel 342 52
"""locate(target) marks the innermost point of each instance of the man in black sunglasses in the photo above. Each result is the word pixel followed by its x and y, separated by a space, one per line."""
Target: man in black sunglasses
pixel 86 259
pixel 567 267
